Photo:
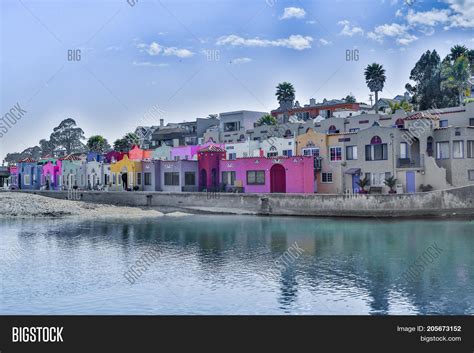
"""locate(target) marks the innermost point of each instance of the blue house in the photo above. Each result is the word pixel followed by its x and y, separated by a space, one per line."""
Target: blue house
pixel 28 177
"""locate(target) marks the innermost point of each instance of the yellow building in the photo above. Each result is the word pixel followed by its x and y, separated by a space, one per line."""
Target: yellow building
pixel 125 174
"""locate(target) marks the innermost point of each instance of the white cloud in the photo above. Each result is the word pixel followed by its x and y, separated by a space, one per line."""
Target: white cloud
pixel 324 41
pixel 463 13
pixel 428 18
pixel 155 49
pixel 348 29
pixel 394 30
pixel 114 48
pixel 293 12
pixel 297 42
pixel 398 13
pixel 311 22
pixel 148 64
pixel 241 61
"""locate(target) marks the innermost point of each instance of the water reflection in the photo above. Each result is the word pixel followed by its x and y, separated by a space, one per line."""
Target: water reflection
pixel 222 264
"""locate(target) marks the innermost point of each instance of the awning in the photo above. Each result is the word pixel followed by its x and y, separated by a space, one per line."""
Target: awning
pixel 352 171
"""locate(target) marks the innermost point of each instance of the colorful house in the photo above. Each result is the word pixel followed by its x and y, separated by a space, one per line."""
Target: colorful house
pixel 13 182
pixel 209 162
pixel 114 156
pixel 162 153
pixel 125 174
pixel 51 174
pixel 137 154
pixel 29 174
pixel 184 153
pixel 176 176
pixel 71 167
pixel 151 177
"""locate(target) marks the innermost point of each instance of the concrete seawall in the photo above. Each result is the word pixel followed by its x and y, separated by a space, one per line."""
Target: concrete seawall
pixel 456 201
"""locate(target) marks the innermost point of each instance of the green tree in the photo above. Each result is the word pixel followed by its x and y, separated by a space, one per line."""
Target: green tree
pixel 285 93
pixel 375 80
pixel 68 136
pixel 47 147
pixel 400 105
pixel 455 76
pixel 267 119
pixel 427 89
pixel 350 98
pixel 125 143
pixel 98 144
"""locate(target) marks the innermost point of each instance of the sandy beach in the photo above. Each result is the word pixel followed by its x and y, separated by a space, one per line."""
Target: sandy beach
pixel 19 205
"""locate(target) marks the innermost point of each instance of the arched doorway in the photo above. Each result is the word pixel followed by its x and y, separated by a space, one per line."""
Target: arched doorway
pixel 429 146
pixel 278 179
pixel 125 180
pixel 203 179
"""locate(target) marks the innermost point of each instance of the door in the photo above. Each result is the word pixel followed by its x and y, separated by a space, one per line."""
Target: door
pixel 410 182
pixel 125 181
pixel 278 179
pixel 355 185
pixel 203 179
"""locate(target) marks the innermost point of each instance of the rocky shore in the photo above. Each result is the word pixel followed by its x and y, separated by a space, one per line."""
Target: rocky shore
pixel 22 205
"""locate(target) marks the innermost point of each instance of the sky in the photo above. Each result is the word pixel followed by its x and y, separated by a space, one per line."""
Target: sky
pixel 139 61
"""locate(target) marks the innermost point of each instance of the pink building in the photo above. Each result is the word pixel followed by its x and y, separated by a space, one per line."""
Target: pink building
pixel 256 174
pixel 190 152
pixel 51 175
pixel 137 154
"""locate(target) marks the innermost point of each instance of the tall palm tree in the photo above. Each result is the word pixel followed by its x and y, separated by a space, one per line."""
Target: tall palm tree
pixel 285 92
pixel 375 80
pixel 457 51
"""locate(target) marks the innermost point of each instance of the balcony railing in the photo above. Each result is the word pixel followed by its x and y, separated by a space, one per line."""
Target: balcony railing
pixel 411 162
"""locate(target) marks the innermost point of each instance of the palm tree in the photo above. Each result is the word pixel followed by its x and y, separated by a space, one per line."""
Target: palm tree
pixel 456 76
pixel 457 51
pixel 267 119
pixel 285 92
pixel 363 183
pixel 391 182
pixel 407 107
pixel 375 80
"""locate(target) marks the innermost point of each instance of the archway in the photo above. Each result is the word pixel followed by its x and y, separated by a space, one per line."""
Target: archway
pixel 203 179
pixel 277 179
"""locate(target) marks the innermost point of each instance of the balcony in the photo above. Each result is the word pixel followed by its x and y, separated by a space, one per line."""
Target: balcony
pixel 407 163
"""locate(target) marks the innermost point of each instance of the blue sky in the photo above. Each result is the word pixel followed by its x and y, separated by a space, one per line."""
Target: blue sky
pixel 189 59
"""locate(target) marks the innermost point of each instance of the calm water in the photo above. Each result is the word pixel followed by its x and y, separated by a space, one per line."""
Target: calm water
pixel 224 265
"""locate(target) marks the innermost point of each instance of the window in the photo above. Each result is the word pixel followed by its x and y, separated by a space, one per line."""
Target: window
pixel 443 123
pixel 400 123
pixel 442 150
pixel 228 178
pixel 376 152
pixel 176 158
pixel 458 149
pixel 326 177
pixel 172 178
pixel 332 129
pixel 256 177
pixel 470 149
pixel 272 154
pixel 287 153
pixel 403 150
pixel 233 126
pixel 471 122
pixel 147 177
pixel 139 178
pixel 354 129
pixel 351 153
pixel 335 153
pixel 232 155
pixel 377 179
pixel 189 178
pixel 470 174
pixel 311 152
pixel 26 179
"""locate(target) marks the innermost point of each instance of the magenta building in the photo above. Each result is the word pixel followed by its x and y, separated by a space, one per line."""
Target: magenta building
pixel 51 175
pixel 256 174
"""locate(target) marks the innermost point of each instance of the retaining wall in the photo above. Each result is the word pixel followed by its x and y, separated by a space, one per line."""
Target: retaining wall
pixel 434 203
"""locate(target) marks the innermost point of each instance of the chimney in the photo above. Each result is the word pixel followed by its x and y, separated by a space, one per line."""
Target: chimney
pixel 162 122
pixel 312 101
